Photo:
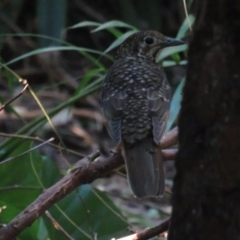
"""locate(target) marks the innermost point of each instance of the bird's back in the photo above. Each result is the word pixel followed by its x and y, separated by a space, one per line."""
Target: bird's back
pixel 138 101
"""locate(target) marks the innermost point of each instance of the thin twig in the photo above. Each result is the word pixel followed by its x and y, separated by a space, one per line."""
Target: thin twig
pixel 29 150
pixel 57 225
pixel 14 98
pixel 37 139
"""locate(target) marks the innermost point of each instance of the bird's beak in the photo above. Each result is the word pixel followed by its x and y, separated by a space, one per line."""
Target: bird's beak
pixel 172 42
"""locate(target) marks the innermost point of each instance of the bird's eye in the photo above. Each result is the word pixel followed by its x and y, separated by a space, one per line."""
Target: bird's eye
pixel 149 40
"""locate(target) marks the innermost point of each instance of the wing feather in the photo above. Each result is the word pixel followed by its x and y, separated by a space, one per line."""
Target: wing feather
pixel 159 104
pixel 113 109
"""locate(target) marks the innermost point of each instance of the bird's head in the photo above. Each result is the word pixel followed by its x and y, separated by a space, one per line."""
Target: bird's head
pixel 146 44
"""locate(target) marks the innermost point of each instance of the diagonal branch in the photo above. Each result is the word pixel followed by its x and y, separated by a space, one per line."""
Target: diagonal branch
pixel 83 172
pixel 149 232
pixel 154 231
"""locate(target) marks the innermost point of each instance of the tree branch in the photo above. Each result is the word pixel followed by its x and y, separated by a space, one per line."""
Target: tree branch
pixel 149 232
pixel 152 232
pixel 169 154
pixel 169 139
pixel 83 172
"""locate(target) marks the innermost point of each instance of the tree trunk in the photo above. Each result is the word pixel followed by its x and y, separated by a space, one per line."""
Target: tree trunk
pixel 206 192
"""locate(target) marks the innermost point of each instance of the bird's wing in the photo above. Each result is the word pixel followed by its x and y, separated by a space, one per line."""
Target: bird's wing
pixel 159 104
pixel 113 104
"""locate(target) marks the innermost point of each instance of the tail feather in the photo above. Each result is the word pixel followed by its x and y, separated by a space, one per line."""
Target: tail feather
pixel 145 168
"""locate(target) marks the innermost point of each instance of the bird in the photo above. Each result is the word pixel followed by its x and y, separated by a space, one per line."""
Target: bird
pixel 136 101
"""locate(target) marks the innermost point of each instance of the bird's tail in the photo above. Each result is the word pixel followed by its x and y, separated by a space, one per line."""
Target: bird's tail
pixel 144 164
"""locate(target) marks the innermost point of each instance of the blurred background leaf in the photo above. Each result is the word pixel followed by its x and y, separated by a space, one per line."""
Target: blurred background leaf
pixel 18 186
pixel 52 20
pixel 175 105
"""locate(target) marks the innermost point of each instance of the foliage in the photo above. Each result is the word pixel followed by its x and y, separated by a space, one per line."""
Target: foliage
pixel 38 172
pixel 22 180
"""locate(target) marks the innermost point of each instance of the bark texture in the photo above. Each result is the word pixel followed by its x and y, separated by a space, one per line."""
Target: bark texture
pixel 206 193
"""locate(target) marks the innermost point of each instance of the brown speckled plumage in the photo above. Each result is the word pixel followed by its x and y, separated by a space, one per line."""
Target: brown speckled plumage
pixel 136 100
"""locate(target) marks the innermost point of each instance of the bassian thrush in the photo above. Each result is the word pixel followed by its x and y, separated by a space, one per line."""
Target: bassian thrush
pixel 136 100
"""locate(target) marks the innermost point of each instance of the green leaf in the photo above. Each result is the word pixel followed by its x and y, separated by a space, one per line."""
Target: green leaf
pixel 34 36
pixel 88 77
pixel 116 33
pixel 86 214
pixel 83 211
pixel 114 24
pixel 113 31
pixel 53 49
pixel 85 24
pixel 42 230
pixel 80 213
pixel 185 26
pixel 176 58
pixel 173 63
pixel 19 186
pixel 119 40
pixel 36 124
pixel 166 52
pixel 175 105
